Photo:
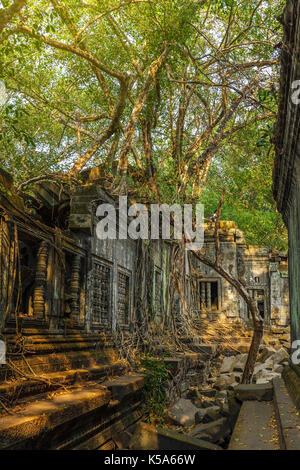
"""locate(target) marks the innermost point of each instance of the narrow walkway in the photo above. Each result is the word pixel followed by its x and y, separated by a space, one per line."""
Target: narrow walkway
pixel 256 428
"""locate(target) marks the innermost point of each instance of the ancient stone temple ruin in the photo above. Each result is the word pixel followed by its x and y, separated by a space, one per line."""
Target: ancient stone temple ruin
pixel 263 272
pixel 68 300
pixel 63 275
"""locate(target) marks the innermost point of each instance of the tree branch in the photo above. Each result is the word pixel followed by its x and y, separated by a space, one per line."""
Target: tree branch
pixel 69 48
pixel 8 14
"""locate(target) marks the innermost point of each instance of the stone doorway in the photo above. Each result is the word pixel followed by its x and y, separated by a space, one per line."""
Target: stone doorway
pixel 210 295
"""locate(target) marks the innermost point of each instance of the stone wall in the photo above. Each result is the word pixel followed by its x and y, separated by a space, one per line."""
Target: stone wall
pixel 72 280
pixel 286 178
pixel 262 272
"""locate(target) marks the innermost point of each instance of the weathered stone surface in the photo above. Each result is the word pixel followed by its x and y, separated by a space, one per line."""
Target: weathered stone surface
pixel 222 394
pixel 240 363
pixel 210 392
pixel 224 382
pixel 280 356
pixel 254 392
pixel 80 222
pixel 269 363
pixel 206 415
pixel 124 386
pixel 264 373
pixel 258 368
pixel 278 368
pixel 234 407
pixel 183 412
pixel 213 432
pixel 147 437
pixel 238 377
pixel 207 349
pixel 265 352
pixel 254 429
pixel 6 179
pixel 227 365
pixel 43 415
pixel 265 377
pixel 286 411
pixel 291 376
pixel 198 402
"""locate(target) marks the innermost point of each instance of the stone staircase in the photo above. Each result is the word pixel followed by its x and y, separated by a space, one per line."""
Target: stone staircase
pixel 67 392
pixel 71 391
pixel 85 417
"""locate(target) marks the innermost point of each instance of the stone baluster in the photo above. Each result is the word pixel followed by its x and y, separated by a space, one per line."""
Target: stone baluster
pixel 208 295
pixel 75 286
pixel 40 281
pixel 203 295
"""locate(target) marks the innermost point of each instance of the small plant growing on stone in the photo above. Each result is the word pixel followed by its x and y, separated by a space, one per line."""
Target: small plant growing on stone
pixel 156 385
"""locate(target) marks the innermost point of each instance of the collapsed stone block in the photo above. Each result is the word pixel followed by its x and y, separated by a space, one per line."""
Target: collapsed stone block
pixel 206 415
pixel 183 412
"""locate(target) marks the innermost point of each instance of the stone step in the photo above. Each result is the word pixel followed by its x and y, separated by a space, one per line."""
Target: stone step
pixel 256 427
pixel 122 421
pixel 43 416
pixel 148 437
pixel 58 339
pixel 85 417
pixel 124 386
pixel 36 345
pixel 258 392
pixel 23 388
pixel 198 346
pixel 182 359
pixel 288 416
pixel 60 361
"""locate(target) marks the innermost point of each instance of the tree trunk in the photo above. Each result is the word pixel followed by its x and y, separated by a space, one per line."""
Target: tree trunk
pixel 253 351
pixel 257 321
pixel 258 325
pixel 135 115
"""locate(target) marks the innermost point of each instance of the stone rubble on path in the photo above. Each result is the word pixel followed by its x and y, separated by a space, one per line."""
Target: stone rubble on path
pixel 210 413
pixel 269 365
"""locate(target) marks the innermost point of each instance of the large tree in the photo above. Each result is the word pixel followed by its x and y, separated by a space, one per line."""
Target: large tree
pixel 159 87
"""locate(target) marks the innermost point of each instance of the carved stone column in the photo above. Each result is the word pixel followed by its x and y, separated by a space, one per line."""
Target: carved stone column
pixel 203 295
pixel 40 281
pixel 75 286
pixel 208 296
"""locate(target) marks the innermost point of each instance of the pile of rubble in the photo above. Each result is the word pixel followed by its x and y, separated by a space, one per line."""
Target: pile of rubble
pixel 270 364
pixel 210 412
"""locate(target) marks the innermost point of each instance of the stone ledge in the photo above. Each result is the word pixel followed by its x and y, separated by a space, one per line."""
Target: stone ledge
pixel 119 431
pixel 45 415
pixel 287 418
pixel 147 437
pixel 291 376
pixel 21 388
pixel 255 428
pixel 259 392
pixel 124 386
pixel 55 362
pixel 184 361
